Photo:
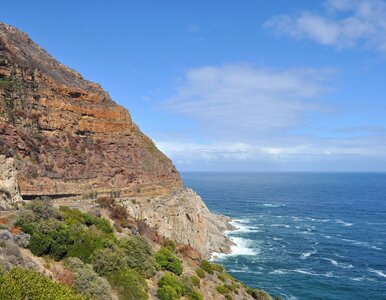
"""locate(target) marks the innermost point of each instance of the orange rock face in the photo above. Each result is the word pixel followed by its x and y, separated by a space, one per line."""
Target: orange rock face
pixel 67 136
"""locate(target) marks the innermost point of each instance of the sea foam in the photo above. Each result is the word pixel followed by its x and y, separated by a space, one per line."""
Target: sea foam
pixel 338 264
pixel 242 226
pixel 378 272
pixel 308 254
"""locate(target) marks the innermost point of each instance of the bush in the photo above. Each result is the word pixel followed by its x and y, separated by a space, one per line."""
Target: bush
pixel 86 241
pixel 67 232
pixel 258 294
pixel 20 283
pixel 222 289
pixel 168 261
pixel 10 256
pixel 169 279
pixel 166 293
pixel 43 209
pixel 75 216
pixel 86 281
pixel 196 295
pixel 211 268
pixel 139 255
pixel 229 287
pixel 169 244
pixel 188 285
pixel 129 284
pixel 207 266
pixel 22 239
pixel 195 280
pixel 200 273
pixel 39 244
pixel 108 260
pixel 221 277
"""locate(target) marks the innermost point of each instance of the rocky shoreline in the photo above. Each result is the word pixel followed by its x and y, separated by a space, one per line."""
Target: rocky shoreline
pixel 184 218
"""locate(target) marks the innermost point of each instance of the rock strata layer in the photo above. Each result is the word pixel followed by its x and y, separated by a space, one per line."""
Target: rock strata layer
pixel 66 134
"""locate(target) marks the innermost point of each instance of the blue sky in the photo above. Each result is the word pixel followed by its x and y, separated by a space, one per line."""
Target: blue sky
pixel 233 85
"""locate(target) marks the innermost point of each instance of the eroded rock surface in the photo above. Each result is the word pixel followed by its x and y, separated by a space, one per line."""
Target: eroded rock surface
pixel 184 218
pixel 9 191
pixel 66 134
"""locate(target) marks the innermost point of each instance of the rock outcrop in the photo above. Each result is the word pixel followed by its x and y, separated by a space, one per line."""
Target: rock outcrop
pixel 68 139
pixel 9 190
pixel 184 218
pixel 67 136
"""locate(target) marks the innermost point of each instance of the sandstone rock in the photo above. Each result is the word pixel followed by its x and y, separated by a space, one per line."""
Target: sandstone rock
pixel 184 218
pixel 9 191
pixel 68 136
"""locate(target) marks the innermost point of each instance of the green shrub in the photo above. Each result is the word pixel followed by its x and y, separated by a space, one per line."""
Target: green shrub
pixel 189 287
pixel 200 273
pixel 196 295
pixel 166 293
pixel 75 216
pixel 195 280
pixel 168 261
pixel 86 241
pixel 207 266
pixel 20 284
pixel 258 294
pixel 139 255
pixel 87 282
pixel 39 244
pixel 169 244
pixel 211 268
pixel 228 297
pixel 221 277
pixel 108 260
pixel 229 287
pixel 169 279
pixel 222 289
pixel 129 284
pixel 67 232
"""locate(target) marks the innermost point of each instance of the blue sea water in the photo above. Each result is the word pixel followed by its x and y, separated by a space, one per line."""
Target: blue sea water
pixel 303 235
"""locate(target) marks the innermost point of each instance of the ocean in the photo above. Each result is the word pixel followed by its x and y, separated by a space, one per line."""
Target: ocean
pixel 303 235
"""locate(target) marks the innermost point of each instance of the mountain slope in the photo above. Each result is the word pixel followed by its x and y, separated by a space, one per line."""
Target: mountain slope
pixel 66 133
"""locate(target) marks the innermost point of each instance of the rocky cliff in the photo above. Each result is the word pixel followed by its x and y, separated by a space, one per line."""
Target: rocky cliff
pixel 62 136
pixel 184 218
pixel 9 189
pixel 67 136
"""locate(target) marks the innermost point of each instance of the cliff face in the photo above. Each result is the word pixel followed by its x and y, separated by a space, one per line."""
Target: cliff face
pixel 183 218
pixel 9 190
pixel 65 133
pixel 62 136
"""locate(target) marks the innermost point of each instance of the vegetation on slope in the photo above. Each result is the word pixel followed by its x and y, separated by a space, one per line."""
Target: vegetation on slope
pixel 100 264
pixel 21 283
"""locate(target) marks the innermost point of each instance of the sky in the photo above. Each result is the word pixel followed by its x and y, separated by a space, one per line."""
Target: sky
pixel 232 85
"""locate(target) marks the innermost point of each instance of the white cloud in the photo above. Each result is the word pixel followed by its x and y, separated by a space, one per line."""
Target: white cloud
pixel 324 154
pixel 343 24
pixel 247 117
pixel 240 100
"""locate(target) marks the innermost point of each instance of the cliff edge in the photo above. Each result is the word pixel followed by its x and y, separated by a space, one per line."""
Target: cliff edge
pixel 66 133
pixel 62 136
